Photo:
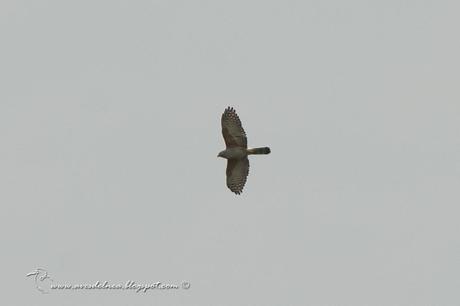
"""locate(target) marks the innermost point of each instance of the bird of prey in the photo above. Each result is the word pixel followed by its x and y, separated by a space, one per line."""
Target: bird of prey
pixel 236 151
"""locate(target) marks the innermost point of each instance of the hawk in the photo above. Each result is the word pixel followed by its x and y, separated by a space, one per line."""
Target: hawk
pixel 236 151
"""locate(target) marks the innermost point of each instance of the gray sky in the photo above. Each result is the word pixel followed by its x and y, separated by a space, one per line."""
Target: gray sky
pixel 110 127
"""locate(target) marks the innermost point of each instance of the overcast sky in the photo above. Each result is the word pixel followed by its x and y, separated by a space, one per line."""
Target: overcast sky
pixel 110 128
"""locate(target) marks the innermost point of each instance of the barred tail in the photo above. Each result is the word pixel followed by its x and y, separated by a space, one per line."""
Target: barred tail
pixel 264 150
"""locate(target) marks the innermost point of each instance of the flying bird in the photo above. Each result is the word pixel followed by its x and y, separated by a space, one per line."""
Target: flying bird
pixel 236 151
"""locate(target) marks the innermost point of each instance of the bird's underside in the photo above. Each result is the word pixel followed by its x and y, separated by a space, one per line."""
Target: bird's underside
pixel 236 151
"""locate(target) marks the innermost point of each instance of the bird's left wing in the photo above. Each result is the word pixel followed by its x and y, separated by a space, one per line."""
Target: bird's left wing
pixel 232 129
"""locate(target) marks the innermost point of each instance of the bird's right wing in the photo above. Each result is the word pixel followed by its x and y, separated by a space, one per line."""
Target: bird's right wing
pixel 237 174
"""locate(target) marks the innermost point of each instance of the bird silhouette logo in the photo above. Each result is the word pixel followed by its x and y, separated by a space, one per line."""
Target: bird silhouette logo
pixel 42 279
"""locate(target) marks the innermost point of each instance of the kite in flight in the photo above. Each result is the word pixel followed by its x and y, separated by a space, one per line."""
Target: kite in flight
pixel 236 151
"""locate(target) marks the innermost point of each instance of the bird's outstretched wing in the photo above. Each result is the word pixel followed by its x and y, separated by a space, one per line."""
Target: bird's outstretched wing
pixel 237 174
pixel 232 130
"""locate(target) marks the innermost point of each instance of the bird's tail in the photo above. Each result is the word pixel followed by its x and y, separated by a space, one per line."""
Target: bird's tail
pixel 264 150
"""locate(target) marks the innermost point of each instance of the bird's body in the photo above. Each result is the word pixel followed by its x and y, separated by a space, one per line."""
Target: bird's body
pixel 236 151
